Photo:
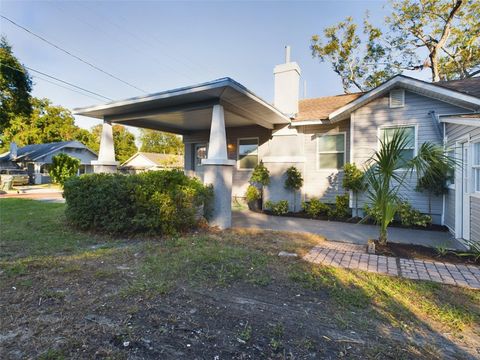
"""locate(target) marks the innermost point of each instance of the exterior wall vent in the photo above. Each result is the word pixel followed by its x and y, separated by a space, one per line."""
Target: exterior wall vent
pixel 397 98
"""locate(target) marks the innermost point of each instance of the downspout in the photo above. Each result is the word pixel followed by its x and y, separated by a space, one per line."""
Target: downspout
pixel 443 196
pixel 437 125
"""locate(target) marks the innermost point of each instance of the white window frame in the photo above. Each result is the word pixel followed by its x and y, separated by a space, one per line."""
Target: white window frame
pixel 238 151
pixel 402 91
pixel 317 137
pixel 198 145
pixel 475 169
pixel 396 126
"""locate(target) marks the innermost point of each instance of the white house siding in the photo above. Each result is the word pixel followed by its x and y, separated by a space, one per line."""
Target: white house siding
pixel 455 133
pixel 367 120
pixel 450 209
pixel 323 184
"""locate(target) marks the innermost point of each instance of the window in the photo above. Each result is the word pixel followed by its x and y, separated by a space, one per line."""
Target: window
pixel 409 152
pixel 331 151
pixel 200 153
pixel 397 98
pixel 476 166
pixel 247 153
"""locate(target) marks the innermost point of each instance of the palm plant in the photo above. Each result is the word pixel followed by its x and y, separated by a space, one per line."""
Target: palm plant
pixel 388 169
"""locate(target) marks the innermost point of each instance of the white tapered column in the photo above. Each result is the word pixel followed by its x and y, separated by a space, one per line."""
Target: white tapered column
pixel 106 156
pixel 218 170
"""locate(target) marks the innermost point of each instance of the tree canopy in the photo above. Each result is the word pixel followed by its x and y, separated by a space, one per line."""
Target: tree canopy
pixel 123 140
pixel 440 35
pixel 160 142
pixel 15 87
pixel 46 123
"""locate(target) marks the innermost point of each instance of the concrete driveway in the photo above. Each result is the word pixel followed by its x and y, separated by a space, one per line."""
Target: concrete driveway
pixel 340 231
pixel 36 192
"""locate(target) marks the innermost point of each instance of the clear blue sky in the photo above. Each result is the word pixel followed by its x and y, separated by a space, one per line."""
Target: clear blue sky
pixel 163 45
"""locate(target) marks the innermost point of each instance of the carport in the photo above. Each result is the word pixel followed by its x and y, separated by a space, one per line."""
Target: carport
pixel 209 106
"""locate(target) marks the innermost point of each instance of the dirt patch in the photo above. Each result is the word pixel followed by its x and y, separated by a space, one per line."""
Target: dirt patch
pixel 423 253
pixel 82 309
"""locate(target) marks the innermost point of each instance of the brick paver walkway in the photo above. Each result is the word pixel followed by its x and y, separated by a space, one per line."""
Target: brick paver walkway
pixel 350 256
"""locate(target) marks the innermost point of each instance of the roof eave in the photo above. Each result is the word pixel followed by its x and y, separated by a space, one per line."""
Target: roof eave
pixel 409 84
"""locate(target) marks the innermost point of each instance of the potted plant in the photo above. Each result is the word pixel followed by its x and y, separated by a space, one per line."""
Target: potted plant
pixel 254 199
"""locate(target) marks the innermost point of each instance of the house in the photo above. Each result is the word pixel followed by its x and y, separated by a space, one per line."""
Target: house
pixel 37 158
pixel 227 130
pixel 147 161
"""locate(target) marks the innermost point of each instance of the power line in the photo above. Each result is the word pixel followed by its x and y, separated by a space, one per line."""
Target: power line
pixel 72 55
pixel 64 87
pixel 57 79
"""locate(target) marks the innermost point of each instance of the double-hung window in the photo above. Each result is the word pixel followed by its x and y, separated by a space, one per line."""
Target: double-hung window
pixel 330 151
pixel 476 166
pixel 247 153
pixel 200 154
pixel 408 153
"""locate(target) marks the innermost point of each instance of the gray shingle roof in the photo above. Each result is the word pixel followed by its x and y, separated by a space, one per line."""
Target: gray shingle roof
pixel 32 152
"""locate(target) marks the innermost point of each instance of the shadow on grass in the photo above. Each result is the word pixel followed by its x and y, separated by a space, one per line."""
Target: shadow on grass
pixel 424 311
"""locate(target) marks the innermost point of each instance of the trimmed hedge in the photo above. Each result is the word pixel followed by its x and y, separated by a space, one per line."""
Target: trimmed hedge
pixel 162 202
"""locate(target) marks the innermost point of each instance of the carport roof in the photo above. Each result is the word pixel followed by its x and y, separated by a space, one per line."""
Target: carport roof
pixel 189 108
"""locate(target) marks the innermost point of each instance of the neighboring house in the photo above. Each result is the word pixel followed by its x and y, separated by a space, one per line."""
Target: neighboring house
pixel 147 161
pixel 37 158
pixel 227 130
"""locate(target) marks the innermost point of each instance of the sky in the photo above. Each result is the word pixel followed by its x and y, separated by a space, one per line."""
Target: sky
pixel 158 45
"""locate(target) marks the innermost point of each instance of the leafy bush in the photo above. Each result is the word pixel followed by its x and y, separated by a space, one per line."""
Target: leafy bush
pixel 63 167
pixel 315 208
pixel 294 180
pixel 342 208
pixel 164 202
pixel 252 193
pixel 278 208
pixel 260 175
pixel 409 216
pixel 373 213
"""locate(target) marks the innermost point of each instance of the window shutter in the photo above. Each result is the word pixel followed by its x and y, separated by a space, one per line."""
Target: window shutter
pixel 397 98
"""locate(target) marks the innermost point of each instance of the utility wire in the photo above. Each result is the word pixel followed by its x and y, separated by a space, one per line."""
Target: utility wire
pixel 57 79
pixel 64 87
pixel 72 55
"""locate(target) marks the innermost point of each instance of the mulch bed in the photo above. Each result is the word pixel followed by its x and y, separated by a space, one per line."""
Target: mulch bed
pixel 355 220
pixel 422 253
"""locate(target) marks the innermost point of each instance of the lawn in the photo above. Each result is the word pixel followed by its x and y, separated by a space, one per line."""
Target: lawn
pixel 69 294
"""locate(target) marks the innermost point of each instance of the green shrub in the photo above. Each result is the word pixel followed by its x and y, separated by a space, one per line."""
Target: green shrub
pixel 260 175
pixel 63 167
pixel 342 208
pixel 164 202
pixel 252 193
pixel 373 213
pixel 315 208
pixel 278 208
pixel 409 216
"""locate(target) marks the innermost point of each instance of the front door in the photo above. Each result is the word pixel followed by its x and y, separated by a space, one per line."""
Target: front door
pixel 465 211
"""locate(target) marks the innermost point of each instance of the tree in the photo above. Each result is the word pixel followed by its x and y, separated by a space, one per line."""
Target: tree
pixel 353 181
pixel 260 177
pixel 447 31
pixel 437 173
pixel 384 181
pixel 47 123
pixel 360 64
pixel 160 142
pixel 15 87
pixel 293 181
pixel 123 140
pixel 63 167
